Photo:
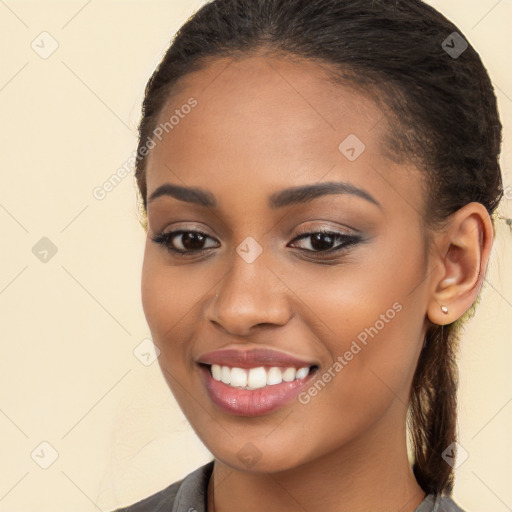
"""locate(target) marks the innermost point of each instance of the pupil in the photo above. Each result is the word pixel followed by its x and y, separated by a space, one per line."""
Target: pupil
pixel 317 241
pixel 192 241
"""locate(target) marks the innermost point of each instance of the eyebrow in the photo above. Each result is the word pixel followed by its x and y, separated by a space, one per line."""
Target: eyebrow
pixel 286 197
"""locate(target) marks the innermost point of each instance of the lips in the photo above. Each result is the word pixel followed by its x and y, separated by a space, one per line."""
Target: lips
pixel 253 358
pixel 255 381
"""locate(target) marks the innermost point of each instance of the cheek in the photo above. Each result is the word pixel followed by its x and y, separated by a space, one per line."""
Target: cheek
pixel 168 301
pixel 168 294
pixel 156 295
pixel 173 298
pixel 372 327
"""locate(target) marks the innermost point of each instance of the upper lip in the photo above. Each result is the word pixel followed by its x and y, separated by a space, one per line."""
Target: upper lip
pixel 252 358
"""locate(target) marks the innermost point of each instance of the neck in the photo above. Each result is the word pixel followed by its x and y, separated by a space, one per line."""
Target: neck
pixel 371 472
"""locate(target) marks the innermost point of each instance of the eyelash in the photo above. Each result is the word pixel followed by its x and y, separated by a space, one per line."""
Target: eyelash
pixel 165 240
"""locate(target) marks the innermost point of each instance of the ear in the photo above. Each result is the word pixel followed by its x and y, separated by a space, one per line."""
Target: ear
pixel 459 263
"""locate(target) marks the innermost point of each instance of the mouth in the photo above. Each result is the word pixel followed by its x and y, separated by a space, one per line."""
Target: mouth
pixel 259 377
pixel 253 383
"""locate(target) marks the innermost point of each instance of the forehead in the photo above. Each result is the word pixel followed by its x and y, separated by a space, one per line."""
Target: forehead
pixel 266 123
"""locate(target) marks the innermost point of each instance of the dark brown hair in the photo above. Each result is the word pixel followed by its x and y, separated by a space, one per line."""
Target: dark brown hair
pixel 444 118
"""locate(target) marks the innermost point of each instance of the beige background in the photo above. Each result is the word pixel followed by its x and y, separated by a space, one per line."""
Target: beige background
pixel 70 325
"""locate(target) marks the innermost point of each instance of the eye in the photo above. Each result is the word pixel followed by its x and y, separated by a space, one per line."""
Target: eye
pixel 324 240
pixel 188 242
pixel 184 242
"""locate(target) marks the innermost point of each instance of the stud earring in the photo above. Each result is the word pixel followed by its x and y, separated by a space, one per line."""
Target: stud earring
pixel 444 309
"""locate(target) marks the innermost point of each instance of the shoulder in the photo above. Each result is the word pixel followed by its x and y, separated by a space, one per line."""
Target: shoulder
pixel 162 500
pixel 446 504
pixel 438 504
pixel 192 489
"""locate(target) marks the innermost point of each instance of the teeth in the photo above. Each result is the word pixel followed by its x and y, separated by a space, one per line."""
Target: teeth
pixel 226 375
pixel 274 376
pixel 256 378
pixel 238 377
pixel 302 373
pixel 216 372
pixel 289 374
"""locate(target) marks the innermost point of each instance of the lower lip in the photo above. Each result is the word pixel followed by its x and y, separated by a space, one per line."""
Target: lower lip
pixel 252 402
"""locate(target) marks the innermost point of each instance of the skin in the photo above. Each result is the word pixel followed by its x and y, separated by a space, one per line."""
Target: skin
pixel 263 124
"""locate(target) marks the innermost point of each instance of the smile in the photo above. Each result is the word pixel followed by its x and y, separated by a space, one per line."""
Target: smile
pixel 256 378
pixel 255 381
pixel 256 397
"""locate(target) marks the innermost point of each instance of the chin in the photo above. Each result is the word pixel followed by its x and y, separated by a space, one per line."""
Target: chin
pixel 251 459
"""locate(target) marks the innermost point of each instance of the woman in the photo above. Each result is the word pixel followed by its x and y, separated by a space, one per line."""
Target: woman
pixel 319 180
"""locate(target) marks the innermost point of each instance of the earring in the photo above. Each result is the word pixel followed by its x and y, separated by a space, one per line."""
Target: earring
pixel 444 309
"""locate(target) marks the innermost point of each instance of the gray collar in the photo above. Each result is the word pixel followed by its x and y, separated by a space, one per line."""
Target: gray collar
pixel 192 495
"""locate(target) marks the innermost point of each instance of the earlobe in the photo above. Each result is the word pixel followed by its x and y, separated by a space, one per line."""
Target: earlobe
pixel 467 242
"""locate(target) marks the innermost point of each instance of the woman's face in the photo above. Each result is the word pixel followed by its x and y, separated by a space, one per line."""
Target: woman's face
pixel 264 287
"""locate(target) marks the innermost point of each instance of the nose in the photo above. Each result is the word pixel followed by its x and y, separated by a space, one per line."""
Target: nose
pixel 250 295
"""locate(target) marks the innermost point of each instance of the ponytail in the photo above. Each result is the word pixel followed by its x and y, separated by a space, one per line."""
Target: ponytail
pixel 433 409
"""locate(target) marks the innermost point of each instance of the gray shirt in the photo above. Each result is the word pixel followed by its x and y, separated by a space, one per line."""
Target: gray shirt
pixel 190 495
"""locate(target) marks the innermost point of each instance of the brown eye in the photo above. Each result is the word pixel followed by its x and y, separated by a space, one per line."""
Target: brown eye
pixel 183 242
pixel 325 241
pixel 322 241
pixel 190 241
